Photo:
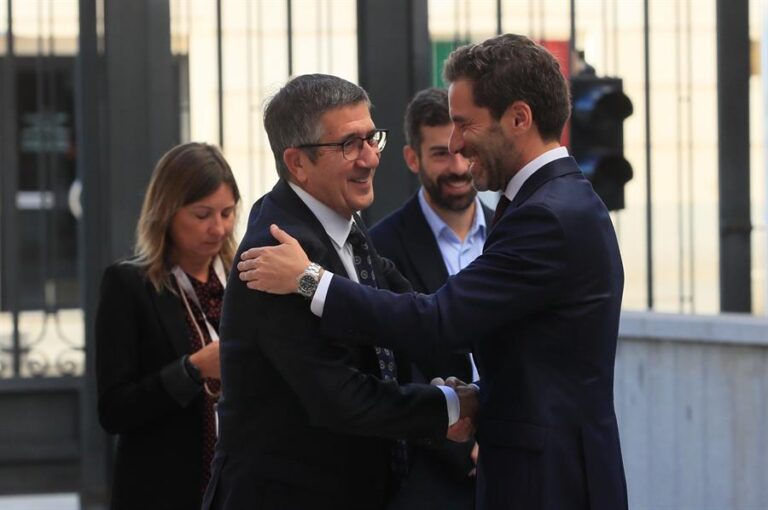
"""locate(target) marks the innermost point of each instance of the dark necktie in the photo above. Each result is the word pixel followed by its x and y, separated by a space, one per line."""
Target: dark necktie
pixel 387 366
pixel 500 208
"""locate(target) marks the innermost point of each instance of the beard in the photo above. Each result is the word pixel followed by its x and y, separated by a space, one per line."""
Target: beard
pixel 445 200
pixel 491 157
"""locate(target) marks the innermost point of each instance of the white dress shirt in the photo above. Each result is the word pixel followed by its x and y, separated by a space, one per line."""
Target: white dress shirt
pixel 338 228
pixel 517 180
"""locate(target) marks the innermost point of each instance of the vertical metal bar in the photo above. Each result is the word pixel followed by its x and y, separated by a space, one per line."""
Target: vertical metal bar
pixel 319 28
pixel 542 20
pixel 220 72
pixel 691 209
pixel 764 66
pixel 468 18
pixel 456 16
pixel 572 39
pixel 330 39
pixel 93 240
pixel 498 18
pixel 606 45
pixel 40 158
pixel 380 50
pixel 10 189
pixel 289 16
pixel 531 17
pixel 648 188
pixel 615 38
pixel 679 159
pixel 733 51
pixel 54 269
pixel 249 92
pixel 265 176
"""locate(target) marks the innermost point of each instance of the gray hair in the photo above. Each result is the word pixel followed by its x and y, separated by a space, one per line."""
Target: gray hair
pixel 292 116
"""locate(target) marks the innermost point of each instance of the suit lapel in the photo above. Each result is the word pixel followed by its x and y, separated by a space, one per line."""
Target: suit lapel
pixel 360 356
pixel 172 319
pixel 551 170
pixel 287 199
pixel 488 213
pixel 421 247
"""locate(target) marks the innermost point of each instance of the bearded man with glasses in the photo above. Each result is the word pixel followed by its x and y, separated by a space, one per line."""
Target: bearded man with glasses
pixel 306 422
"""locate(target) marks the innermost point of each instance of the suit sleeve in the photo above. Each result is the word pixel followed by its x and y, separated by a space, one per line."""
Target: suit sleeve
pixel 322 373
pixel 519 272
pixel 129 397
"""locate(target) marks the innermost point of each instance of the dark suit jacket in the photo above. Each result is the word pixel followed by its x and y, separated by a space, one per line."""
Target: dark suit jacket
pixel 303 420
pixel 541 308
pixel 140 337
pixel 438 478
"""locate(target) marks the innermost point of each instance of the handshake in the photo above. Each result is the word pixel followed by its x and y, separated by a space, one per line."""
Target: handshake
pixel 462 430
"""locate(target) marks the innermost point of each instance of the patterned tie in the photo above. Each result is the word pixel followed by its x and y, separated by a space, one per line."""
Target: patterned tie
pixel 387 366
pixel 500 208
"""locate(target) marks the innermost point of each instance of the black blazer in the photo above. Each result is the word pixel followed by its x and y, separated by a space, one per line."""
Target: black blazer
pixel 144 395
pixel 300 414
pixel 541 307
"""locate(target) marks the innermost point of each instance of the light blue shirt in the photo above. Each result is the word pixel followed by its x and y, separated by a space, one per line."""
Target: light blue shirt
pixel 457 254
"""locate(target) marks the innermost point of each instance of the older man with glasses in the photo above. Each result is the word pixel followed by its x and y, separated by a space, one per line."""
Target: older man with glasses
pixel 306 422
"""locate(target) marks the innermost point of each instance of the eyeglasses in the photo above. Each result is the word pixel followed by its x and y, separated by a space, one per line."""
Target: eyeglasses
pixel 353 146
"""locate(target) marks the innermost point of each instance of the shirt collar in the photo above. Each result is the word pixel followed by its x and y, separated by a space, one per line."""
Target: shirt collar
pixel 528 170
pixel 336 226
pixel 438 226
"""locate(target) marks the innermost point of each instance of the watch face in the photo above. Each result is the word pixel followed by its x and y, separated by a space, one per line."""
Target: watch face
pixel 307 285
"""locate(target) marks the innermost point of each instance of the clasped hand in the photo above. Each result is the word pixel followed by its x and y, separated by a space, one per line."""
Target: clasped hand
pixel 464 428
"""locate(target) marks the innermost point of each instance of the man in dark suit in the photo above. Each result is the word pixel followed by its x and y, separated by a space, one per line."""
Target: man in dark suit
pixel 299 412
pixel 435 234
pixel 540 307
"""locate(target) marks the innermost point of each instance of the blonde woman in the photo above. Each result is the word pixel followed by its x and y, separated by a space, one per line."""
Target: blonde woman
pixel 157 355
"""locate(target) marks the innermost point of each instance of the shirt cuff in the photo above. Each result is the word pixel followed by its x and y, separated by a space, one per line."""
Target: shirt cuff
pixel 452 403
pixel 318 300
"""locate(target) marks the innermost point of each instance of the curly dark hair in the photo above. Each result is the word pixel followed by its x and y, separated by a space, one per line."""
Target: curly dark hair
pixel 509 68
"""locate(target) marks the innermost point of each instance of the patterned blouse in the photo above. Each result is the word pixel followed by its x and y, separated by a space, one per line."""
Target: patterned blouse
pixel 210 295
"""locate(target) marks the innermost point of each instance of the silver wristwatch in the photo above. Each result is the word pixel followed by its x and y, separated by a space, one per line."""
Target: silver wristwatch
pixel 308 280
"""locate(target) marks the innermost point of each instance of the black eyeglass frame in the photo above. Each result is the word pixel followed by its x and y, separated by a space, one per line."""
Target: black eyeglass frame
pixel 383 133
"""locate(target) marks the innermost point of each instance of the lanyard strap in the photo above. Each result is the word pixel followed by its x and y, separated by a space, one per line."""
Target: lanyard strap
pixel 189 292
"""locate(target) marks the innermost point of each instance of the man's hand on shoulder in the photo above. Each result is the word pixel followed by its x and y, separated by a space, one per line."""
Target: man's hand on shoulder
pixel 274 269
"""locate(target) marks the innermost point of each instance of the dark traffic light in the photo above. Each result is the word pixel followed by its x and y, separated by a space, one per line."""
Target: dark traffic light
pixel 597 135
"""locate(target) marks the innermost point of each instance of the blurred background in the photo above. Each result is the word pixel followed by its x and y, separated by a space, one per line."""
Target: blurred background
pixel 669 124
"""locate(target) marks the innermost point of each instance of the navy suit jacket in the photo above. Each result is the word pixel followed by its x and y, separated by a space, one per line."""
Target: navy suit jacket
pixel 438 477
pixel 540 308
pixel 303 418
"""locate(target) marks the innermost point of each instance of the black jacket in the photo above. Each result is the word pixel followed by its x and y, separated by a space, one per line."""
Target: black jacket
pixel 145 396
